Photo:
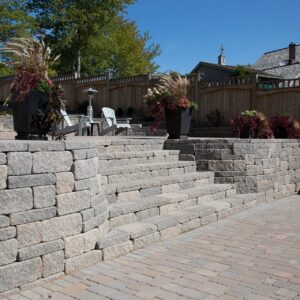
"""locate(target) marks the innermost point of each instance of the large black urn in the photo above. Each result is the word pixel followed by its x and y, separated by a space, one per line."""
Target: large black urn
pixel 28 114
pixel 178 122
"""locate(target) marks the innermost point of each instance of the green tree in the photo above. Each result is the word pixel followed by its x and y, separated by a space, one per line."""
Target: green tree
pixel 92 36
pixel 15 21
pixel 83 30
pixel 120 50
pixel 242 70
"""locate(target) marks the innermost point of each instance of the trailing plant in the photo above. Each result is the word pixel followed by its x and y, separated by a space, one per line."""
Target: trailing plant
pixel 30 61
pixel 284 126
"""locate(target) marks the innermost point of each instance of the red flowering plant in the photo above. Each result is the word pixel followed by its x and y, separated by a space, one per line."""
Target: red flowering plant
pixel 251 124
pixel 284 126
pixel 171 93
pixel 30 60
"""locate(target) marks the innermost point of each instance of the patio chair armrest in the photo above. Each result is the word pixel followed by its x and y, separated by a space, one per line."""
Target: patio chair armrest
pixel 124 120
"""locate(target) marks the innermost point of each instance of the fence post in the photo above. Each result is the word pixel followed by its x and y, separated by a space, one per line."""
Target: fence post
pixel 196 87
pixel 148 80
pixel 74 91
pixel 107 90
pixel 253 91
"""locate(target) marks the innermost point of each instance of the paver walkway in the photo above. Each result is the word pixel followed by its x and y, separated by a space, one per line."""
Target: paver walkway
pixel 252 255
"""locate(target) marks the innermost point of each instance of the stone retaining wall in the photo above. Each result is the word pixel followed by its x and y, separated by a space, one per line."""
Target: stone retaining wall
pixel 52 209
pixel 254 165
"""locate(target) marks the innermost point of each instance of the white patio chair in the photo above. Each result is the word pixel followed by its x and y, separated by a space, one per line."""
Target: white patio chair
pixel 82 126
pixel 115 125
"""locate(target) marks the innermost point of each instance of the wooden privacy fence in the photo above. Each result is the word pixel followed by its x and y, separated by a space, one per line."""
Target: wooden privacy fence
pixel 230 96
pixel 116 93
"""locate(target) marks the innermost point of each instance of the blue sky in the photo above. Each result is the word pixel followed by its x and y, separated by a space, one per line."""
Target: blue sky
pixel 190 31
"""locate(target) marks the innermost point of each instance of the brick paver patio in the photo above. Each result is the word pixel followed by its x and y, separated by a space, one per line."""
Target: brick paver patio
pixel 252 255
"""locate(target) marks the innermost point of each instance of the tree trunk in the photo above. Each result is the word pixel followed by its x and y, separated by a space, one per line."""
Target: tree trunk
pixel 78 58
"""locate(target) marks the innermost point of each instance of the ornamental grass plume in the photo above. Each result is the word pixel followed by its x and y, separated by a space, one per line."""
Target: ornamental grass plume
pixel 176 85
pixel 30 60
pixel 171 93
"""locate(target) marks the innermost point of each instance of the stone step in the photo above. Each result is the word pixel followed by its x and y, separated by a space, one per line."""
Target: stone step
pixel 239 199
pixel 210 192
pixel 203 154
pixel 134 190
pixel 138 234
pixel 116 144
pixel 150 170
pixel 117 159
pixel 146 167
pixel 136 154
pixel 122 213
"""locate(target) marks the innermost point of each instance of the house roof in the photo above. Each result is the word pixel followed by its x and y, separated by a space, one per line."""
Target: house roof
pixel 204 63
pixel 287 71
pixel 231 69
pixel 276 62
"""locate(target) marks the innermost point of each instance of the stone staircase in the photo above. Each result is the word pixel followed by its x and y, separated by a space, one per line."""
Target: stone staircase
pixel 153 196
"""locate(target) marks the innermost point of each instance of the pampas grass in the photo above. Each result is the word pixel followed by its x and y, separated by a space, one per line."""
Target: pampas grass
pixel 28 54
pixel 176 85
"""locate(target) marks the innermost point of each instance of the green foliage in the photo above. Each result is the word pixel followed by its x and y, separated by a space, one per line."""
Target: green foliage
pixel 249 113
pixel 43 86
pixel 93 37
pixel 15 21
pixel 5 70
pixel 241 70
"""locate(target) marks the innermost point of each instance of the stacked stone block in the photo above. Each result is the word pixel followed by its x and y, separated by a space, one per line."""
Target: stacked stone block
pixel 256 165
pixel 52 209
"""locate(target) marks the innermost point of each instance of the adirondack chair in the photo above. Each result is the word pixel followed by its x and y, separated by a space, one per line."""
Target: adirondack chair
pixel 115 125
pixel 80 128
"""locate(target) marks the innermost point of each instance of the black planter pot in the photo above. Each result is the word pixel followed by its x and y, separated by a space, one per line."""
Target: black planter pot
pixel 249 134
pixel 178 122
pixel 28 114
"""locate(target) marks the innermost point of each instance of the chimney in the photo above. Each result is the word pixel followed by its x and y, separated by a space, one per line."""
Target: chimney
pixel 292 53
pixel 221 57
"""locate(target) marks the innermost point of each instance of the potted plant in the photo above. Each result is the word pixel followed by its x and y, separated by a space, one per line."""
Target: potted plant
pixel 169 99
pixel 285 126
pixel 251 124
pixel 36 101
